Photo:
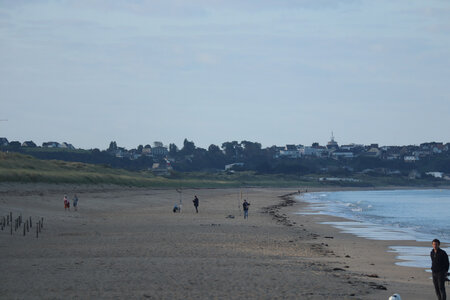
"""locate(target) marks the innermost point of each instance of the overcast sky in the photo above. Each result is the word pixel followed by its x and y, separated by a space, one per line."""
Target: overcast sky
pixel 270 71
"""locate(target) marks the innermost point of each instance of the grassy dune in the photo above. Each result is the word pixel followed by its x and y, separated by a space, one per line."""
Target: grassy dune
pixel 15 167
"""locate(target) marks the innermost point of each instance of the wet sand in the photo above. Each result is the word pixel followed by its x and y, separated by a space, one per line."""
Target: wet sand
pixel 127 243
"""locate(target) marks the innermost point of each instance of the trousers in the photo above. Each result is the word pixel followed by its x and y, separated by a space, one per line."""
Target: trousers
pixel 439 285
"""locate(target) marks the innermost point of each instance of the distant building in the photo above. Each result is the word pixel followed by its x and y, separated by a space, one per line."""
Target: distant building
pixel 332 144
pixel 66 146
pixel 4 141
pixel 278 150
pixel 435 147
pixel 351 147
pixel 133 154
pixel 372 152
pixel 315 150
pixel 50 145
pixel 290 151
pixel 231 166
pixel 393 156
pixel 342 154
pixel 120 152
pixel 162 168
pixel 15 144
pixel 410 158
pixel 160 151
pixel 30 144
pixel 435 174
pixel 147 151
pixel 422 153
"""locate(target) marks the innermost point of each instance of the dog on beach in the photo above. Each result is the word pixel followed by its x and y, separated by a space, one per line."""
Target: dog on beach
pixel 395 297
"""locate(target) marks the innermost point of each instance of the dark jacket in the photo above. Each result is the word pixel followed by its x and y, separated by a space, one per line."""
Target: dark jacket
pixel 439 261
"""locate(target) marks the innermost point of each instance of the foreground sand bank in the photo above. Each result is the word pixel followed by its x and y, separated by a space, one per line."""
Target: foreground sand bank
pixel 127 243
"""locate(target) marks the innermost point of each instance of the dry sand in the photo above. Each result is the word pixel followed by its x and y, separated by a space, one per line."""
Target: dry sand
pixel 125 243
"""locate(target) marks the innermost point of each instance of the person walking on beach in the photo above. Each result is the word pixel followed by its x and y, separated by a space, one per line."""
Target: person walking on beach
pixel 75 202
pixel 195 203
pixel 245 206
pixel 66 203
pixel 439 269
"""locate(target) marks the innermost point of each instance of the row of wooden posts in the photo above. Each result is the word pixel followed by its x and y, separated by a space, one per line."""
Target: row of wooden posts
pixel 7 220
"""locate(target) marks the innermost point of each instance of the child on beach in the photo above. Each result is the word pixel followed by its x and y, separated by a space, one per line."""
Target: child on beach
pixel 66 203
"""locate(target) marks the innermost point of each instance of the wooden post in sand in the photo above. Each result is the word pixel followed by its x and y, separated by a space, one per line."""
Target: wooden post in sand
pixel 40 226
pixel 28 226
pixel 24 229
pixel 11 226
pixel 20 220
pixel 31 223
pixel 37 230
pixel 7 219
pixel 42 222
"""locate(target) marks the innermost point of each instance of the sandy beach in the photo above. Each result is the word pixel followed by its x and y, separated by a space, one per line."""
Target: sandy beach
pixel 127 243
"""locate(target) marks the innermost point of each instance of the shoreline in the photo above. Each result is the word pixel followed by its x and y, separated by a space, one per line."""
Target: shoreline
pixel 411 282
pixel 126 242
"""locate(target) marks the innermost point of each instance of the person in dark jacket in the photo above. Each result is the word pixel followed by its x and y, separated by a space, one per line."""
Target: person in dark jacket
pixel 245 206
pixel 439 269
pixel 195 203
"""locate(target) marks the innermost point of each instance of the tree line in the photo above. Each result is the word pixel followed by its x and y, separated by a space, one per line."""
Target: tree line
pixel 250 156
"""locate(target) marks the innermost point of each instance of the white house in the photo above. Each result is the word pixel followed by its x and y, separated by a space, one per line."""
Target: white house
pixel 313 151
pixel 290 151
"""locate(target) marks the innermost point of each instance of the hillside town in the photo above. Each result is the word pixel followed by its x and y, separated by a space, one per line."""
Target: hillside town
pixel 332 149
pixel 250 156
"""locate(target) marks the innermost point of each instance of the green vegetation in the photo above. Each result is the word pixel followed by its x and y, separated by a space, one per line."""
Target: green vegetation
pixel 16 167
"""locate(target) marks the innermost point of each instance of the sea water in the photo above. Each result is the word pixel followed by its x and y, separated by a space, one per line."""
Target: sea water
pixel 393 215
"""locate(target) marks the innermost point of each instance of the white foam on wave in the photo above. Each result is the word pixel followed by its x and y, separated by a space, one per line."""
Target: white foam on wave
pixel 412 256
pixel 371 231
